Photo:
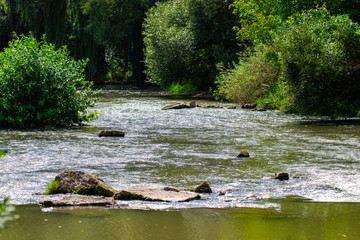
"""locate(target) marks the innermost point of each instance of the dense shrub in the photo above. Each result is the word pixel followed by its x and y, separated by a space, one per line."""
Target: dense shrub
pixel 320 61
pixel 311 65
pixel 177 88
pixel 41 86
pixel 250 79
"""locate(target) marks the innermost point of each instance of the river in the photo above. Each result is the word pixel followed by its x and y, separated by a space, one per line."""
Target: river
pixel 182 148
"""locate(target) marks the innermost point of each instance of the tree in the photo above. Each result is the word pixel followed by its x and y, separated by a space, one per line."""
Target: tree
pixel 41 86
pixel 259 18
pixel 117 25
pixel 185 40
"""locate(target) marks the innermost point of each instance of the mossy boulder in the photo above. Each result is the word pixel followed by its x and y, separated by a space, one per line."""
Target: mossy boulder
pixel 80 183
pixel 203 188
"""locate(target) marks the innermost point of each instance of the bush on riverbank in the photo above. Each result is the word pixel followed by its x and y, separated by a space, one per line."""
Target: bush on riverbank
pixel 320 58
pixel 41 86
pixel 316 58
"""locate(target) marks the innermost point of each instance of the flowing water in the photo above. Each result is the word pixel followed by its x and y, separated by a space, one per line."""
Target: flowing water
pixel 182 148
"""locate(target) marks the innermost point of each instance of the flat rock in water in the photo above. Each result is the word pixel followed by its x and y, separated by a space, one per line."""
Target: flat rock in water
pixel 249 105
pixel 80 201
pixel 155 194
pixel 179 105
pixel 111 133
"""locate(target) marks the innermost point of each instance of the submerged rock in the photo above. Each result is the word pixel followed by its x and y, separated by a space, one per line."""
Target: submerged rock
pixel 243 154
pixel 81 183
pixel 249 105
pixel 78 201
pixel 282 176
pixel 179 105
pixel 189 189
pixel 203 188
pixel 259 110
pixel 111 133
pixel 166 194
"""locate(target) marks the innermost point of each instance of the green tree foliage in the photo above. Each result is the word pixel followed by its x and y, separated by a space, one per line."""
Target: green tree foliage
pixel 41 17
pixel 185 40
pixel 117 25
pixel 41 86
pixel 320 60
pixel 259 18
pixel 310 65
pixel 108 33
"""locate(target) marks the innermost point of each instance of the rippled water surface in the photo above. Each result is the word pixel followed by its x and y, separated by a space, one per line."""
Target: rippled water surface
pixel 182 148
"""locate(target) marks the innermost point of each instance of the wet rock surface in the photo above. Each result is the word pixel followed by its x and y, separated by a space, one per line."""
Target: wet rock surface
pixel 79 200
pixel 166 194
pixel 179 105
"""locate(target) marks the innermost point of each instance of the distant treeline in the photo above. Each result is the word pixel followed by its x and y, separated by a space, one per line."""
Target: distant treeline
pixel 296 56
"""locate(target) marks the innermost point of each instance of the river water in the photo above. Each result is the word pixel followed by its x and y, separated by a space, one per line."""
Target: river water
pixel 182 148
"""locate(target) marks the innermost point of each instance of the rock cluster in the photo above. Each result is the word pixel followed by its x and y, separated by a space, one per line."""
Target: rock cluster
pixel 98 193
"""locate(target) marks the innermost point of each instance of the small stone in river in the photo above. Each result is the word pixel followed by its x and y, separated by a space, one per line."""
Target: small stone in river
pixel 244 154
pixel 249 105
pixel 192 104
pixel 221 193
pixel 282 176
pixel 203 188
pixel 111 133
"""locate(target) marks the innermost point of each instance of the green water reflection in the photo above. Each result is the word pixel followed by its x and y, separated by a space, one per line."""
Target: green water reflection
pixel 293 220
